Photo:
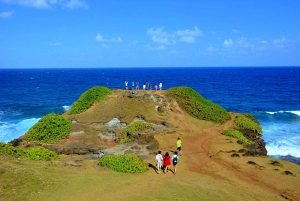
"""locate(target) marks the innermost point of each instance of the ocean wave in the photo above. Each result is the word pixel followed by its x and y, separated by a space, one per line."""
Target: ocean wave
pixel 296 112
pixel 283 148
pixel 66 107
pixel 13 130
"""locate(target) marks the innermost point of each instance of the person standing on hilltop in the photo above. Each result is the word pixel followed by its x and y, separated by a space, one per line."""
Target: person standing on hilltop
pixel 155 86
pixel 137 85
pixel 160 85
pixel 175 159
pixel 179 146
pixel 126 84
pixel 158 160
pixel 132 85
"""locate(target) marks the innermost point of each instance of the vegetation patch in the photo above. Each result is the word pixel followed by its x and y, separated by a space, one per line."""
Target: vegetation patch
pixel 34 153
pixel 128 163
pixel 88 98
pixel 246 123
pixel 194 104
pixel 135 127
pixel 125 140
pixel 237 134
pixel 51 128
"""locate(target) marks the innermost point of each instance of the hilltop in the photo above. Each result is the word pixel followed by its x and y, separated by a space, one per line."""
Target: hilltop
pixel 213 166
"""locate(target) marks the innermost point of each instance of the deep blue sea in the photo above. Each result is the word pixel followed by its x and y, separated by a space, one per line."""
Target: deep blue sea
pixel 270 94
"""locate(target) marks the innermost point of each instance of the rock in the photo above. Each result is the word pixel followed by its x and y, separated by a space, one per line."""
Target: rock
pixel 235 155
pixel 78 133
pixel 286 172
pixel 242 151
pixel 251 163
pixel 276 163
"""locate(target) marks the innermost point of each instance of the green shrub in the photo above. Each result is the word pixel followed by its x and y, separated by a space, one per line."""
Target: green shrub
pixel 50 128
pixel 246 123
pixel 40 153
pixel 35 153
pixel 88 98
pixel 135 127
pixel 125 140
pixel 128 163
pixel 237 134
pixel 194 104
pixel 9 149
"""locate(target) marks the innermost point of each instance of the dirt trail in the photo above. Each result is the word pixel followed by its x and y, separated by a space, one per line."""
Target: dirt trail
pixel 197 148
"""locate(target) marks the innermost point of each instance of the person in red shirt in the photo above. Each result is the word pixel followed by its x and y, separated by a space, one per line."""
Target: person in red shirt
pixel 167 162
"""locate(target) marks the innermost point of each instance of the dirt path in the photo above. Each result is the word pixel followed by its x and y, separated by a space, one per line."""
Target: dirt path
pixel 197 148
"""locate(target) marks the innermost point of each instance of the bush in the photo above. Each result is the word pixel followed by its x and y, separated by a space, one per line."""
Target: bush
pixel 35 153
pixel 40 153
pixel 50 128
pixel 9 149
pixel 125 140
pixel 88 98
pixel 237 134
pixel 194 104
pixel 135 127
pixel 246 123
pixel 128 163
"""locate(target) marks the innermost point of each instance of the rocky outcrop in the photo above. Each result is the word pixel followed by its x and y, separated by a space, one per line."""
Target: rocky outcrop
pixel 257 149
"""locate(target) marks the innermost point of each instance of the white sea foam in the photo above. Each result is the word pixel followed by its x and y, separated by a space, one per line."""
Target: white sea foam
pixel 10 131
pixel 282 138
pixel 66 107
pixel 296 112
pixel 283 148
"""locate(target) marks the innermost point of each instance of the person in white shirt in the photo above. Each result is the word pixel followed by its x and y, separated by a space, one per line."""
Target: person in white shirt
pixel 159 159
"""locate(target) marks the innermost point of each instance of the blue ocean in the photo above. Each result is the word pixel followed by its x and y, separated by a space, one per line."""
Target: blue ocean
pixel 270 94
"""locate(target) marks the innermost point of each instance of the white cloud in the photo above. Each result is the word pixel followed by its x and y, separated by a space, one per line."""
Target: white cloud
pixel 187 32
pixel 46 4
pixel 278 41
pixel 99 38
pixel 186 36
pixel 228 42
pixel 235 31
pixel 158 39
pixel 6 14
pixel 188 39
pixel 161 47
pixel 29 3
pixel 134 42
pixel 73 4
pixel 211 49
pixel 105 46
pixel 55 44
pixel 263 42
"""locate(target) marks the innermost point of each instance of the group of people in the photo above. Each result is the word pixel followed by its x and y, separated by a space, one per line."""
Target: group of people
pixel 146 86
pixel 164 162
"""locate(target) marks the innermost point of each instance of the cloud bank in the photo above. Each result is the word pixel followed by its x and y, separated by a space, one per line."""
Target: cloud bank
pixel 158 35
pixel 47 4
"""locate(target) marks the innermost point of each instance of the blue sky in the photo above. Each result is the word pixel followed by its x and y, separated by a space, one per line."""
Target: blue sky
pixel 156 33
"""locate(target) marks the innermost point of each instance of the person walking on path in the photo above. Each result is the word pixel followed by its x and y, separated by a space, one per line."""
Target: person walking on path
pixel 175 159
pixel 167 162
pixel 158 160
pixel 179 146
pixel 160 86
